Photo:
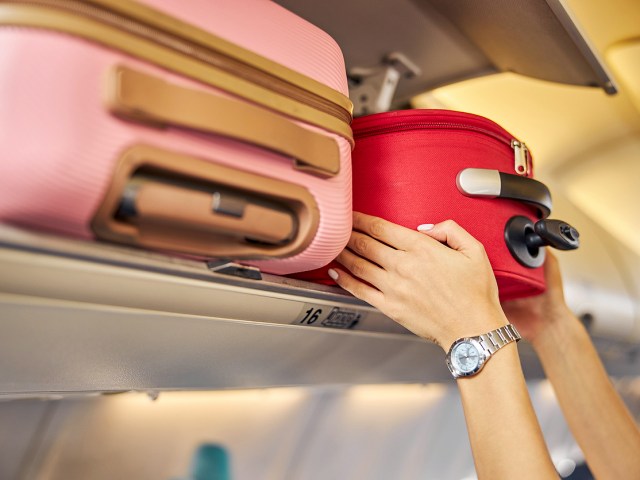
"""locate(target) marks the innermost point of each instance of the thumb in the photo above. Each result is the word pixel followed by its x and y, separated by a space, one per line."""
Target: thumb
pixel 451 234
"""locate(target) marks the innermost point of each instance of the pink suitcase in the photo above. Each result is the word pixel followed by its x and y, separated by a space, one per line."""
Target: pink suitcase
pixel 215 128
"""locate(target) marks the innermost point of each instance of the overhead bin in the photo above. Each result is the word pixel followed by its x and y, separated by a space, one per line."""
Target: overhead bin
pixel 84 317
pixel 88 317
pixel 446 41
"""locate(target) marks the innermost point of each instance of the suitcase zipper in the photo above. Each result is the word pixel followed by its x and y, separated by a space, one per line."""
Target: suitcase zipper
pixel 521 159
pixel 521 163
pixel 172 35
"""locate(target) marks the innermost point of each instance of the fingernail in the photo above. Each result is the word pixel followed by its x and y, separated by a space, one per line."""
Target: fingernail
pixel 333 274
pixel 425 227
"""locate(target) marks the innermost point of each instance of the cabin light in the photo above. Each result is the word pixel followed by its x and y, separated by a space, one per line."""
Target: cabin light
pixel 543 390
pixel 397 392
pixel 196 399
pixel 367 393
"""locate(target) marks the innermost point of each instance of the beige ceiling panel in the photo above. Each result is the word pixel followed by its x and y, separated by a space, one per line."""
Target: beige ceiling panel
pixel 595 276
pixel 558 122
pixel 606 21
pixel 624 59
pixel 606 186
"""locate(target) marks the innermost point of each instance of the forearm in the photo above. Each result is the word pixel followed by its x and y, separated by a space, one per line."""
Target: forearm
pixel 599 420
pixel 503 430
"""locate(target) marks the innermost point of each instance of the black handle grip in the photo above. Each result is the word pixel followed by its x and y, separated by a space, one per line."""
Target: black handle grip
pixel 525 239
pixel 481 182
pixel 554 233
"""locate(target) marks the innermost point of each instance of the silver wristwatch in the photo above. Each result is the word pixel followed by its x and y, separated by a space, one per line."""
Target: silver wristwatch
pixel 468 355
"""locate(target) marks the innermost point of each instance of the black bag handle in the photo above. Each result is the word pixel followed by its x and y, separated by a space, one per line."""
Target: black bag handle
pixel 487 183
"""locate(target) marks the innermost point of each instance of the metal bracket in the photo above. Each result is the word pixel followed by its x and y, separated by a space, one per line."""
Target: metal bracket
pixel 227 267
pixel 372 89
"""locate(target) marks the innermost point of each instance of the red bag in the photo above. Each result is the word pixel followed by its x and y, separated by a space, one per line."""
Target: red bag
pixel 426 166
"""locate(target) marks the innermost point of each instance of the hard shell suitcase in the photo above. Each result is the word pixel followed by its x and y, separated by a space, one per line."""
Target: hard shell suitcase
pixel 210 128
pixel 426 166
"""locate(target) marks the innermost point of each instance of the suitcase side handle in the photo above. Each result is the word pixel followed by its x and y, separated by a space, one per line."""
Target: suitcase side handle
pixel 170 201
pixel 486 183
pixel 151 202
pixel 145 98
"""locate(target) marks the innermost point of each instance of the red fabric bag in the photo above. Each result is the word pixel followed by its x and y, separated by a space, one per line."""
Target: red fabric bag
pixel 412 167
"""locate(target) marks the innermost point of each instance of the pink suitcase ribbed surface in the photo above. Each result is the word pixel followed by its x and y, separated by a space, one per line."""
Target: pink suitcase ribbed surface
pixel 59 143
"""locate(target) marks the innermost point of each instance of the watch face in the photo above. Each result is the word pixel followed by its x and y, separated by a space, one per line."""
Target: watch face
pixel 465 357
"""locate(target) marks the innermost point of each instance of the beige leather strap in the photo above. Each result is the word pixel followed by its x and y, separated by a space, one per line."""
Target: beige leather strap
pixel 142 97
pixel 191 209
pixel 171 201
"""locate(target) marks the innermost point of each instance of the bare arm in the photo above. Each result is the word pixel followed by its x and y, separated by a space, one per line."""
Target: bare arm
pixel 441 287
pixel 597 416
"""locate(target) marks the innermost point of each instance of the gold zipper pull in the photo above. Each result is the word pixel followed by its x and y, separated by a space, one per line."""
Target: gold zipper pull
pixel 521 164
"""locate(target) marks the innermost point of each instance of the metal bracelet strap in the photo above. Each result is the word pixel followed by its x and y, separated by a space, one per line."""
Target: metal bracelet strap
pixel 498 338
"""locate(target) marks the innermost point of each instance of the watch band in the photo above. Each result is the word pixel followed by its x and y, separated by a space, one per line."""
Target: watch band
pixel 494 340
pixel 460 359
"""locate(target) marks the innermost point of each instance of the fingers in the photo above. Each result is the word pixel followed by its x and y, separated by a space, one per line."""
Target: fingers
pixel 362 268
pixel 396 236
pixel 453 235
pixel 371 249
pixel 357 288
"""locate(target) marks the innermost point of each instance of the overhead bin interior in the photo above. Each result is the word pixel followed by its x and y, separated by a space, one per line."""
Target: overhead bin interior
pixel 452 41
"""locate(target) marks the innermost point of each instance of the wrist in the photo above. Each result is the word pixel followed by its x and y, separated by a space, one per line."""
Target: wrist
pixel 473 326
pixel 467 356
pixel 561 325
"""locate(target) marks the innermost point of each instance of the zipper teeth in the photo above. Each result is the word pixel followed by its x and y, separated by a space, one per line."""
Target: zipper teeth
pixel 199 52
pixel 398 127
pixel 367 132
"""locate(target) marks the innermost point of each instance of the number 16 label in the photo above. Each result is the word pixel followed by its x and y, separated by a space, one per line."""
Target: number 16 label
pixel 327 316
pixel 312 314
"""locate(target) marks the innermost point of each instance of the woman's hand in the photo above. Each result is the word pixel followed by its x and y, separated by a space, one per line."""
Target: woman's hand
pixel 533 315
pixel 438 282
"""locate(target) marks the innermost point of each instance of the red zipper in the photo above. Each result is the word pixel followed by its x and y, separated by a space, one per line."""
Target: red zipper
pixel 399 127
pixel 407 125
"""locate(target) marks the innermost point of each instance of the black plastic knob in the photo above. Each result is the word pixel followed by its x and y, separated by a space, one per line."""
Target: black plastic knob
pixel 554 233
pixel 525 239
